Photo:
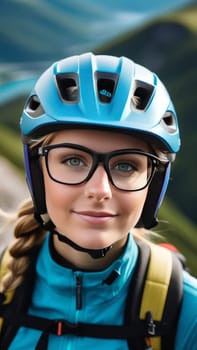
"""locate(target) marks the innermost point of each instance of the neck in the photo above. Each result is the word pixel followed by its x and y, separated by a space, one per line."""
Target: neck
pixel 83 261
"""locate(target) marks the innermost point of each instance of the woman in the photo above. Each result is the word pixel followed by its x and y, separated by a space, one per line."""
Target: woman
pixel 100 134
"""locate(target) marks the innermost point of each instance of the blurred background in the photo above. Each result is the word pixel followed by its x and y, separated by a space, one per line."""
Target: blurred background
pixel 162 35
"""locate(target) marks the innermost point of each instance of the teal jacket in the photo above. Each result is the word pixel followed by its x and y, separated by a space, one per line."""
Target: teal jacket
pixel 55 296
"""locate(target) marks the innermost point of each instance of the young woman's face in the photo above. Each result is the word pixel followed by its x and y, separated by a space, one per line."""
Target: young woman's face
pixel 94 214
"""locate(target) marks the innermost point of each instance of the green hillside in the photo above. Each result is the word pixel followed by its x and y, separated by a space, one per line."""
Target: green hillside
pixel 11 147
pixel 169 47
pixel 177 229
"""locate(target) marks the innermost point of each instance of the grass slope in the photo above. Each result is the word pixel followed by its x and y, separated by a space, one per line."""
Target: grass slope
pixel 10 147
pixel 177 229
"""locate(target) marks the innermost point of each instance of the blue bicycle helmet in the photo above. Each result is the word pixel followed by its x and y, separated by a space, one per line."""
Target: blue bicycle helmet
pixel 100 91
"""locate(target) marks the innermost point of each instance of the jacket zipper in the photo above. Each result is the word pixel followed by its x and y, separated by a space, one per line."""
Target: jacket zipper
pixel 78 292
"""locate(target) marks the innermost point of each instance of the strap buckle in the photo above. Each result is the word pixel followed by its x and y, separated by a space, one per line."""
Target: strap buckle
pixel 150 324
pixel 61 327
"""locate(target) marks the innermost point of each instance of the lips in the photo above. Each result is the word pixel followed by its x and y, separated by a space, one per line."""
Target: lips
pixel 95 217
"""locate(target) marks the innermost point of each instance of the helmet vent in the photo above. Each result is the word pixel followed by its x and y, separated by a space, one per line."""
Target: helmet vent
pixel 68 87
pixel 169 123
pixel 34 107
pixel 106 85
pixel 142 94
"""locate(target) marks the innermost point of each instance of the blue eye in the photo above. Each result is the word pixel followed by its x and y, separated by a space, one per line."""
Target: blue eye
pixel 124 167
pixel 74 162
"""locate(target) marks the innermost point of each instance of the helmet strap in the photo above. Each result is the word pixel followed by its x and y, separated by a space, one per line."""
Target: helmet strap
pixel 47 224
pixel 155 196
pixel 94 253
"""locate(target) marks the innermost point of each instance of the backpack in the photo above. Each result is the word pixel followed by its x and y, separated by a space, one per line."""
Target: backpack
pixel 155 290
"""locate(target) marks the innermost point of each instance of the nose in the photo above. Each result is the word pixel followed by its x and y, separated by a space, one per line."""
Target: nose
pixel 98 186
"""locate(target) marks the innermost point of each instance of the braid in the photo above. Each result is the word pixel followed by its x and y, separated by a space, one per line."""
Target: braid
pixel 28 233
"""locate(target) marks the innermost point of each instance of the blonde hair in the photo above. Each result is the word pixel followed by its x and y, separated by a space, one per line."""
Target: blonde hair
pixel 27 233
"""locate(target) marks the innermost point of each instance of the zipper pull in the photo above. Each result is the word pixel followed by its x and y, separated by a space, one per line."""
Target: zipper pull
pixel 78 292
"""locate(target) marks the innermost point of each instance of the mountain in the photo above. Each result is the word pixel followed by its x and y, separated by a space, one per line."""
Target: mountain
pixel 33 31
pixel 168 46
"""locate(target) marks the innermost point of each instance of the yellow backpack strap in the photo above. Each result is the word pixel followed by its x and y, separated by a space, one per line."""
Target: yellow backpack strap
pixel 3 270
pixel 156 286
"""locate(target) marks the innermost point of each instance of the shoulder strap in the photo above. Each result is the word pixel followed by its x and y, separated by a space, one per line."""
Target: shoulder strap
pixel 16 301
pixel 173 302
pixel 156 286
pixel 155 291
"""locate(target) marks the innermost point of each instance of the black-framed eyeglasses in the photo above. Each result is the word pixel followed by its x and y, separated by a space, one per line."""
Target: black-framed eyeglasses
pixel 71 164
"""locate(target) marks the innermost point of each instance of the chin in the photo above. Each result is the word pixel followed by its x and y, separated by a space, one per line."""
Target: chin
pixel 98 240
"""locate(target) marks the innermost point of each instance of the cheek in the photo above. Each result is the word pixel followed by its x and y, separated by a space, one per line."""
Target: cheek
pixel 55 196
pixel 133 204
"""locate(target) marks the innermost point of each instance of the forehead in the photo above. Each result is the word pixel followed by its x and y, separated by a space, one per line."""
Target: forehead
pixel 98 140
